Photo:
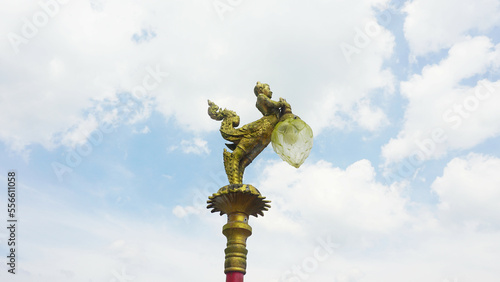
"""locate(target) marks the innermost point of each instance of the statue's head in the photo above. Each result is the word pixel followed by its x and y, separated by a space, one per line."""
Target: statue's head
pixel 262 88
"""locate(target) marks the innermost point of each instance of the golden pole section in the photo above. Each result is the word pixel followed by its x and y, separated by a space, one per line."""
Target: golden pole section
pixel 237 231
pixel 238 201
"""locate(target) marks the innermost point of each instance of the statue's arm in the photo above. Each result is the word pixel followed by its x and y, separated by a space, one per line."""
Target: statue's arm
pixel 270 103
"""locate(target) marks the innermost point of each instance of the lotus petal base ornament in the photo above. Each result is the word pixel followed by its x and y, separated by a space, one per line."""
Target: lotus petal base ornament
pixel 238 198
pixel 292 140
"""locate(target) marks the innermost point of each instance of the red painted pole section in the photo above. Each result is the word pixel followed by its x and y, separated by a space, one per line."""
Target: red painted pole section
pixel 234 276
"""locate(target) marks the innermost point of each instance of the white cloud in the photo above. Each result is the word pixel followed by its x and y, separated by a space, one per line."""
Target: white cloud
pixel 373 227
pixel 86 54
pixel 433 25
pixel 80 133
pixel 195 146
pixel 445 114
pixel 370 118
pixel 181 212
pixel 282 49
pixel 350 200
pixel 469 190
pixel 80 58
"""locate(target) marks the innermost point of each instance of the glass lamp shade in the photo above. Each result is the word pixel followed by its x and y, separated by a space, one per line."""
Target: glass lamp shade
pixel 292 140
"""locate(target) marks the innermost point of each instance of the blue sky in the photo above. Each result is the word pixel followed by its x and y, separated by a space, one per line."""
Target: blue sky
pixel 104 118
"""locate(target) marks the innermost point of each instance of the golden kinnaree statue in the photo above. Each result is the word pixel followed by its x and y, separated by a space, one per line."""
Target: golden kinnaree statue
pixel 291 139
pixel 249 140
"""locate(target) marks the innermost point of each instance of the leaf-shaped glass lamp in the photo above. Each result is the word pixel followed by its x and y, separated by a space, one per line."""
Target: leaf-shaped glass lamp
pixel 292 140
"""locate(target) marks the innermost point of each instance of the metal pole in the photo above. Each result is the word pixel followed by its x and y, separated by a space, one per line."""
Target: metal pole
pixel 234 277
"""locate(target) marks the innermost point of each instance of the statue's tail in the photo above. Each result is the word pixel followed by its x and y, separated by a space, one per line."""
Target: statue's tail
pixel 230 120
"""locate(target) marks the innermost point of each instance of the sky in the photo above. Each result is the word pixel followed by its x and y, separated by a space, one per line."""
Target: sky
pixel 103 106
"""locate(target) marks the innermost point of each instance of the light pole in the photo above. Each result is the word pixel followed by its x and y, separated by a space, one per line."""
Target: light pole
pixel 292 140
